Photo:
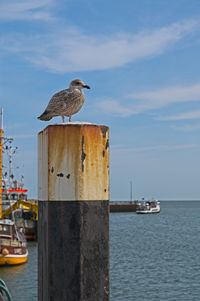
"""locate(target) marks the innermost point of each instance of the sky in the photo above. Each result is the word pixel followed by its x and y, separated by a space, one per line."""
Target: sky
pixel 141 59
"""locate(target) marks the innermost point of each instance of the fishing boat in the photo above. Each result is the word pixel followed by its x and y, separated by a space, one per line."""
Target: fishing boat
pixel 13 194
pixel 13 249
pixel 30 222
pixel 146 207
pixel 12 188
pixel 16 198
pixel 29 215
pixel 13 246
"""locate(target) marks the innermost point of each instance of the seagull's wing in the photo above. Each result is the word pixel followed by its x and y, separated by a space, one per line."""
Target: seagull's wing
pixel 63 100
pixel 57 101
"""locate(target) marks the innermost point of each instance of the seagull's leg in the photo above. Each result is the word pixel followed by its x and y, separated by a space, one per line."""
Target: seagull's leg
pixel 63 119
pixel 70 118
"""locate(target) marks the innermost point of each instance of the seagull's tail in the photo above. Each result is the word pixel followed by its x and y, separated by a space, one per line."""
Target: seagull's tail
pixel 45 116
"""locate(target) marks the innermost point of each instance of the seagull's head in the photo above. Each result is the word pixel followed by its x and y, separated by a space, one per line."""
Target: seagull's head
pixel 78 84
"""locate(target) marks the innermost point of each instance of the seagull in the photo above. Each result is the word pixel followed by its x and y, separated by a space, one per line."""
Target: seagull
pixel 66 102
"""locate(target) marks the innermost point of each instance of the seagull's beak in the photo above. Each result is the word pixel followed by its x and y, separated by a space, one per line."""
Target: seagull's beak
pixel 86 86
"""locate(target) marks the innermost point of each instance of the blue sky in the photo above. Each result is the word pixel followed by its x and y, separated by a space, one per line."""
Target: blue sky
pixel 141 59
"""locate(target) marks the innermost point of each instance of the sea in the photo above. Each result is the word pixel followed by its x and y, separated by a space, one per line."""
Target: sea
pixel 154 257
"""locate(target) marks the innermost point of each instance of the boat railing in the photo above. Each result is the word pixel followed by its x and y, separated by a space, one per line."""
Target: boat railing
pixel 6 236
pixel 9 242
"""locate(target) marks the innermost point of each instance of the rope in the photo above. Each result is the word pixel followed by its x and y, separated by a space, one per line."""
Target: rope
pixel 4 291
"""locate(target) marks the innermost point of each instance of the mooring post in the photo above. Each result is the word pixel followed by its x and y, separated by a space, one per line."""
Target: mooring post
pixel 73 226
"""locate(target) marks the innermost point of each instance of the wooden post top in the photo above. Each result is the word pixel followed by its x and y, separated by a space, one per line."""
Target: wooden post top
pixel 73 162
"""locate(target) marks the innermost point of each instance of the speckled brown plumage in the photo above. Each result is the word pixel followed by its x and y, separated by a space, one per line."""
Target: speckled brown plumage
pixel 66 102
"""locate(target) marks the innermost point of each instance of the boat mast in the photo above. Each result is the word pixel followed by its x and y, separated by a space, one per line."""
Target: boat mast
pixel 10 152
pixel 1 157
pixel 131 191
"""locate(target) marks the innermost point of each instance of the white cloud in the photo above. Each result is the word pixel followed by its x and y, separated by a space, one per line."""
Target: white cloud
pixel 111 106
pixel 70 50
pixel 114 107
pixel 181 116
pixel 170 95
pixel 153 148
pixel 156 99
pixel 25 10
pixel 186 127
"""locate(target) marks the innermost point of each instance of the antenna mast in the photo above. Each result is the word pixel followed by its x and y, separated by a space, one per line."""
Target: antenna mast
pixel 131 191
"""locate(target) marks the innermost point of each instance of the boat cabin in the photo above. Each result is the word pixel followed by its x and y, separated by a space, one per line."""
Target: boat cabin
pixel 6 228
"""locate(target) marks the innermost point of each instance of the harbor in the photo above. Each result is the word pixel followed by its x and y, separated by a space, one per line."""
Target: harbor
pixel 119 223
pixel 19 215
pixel 137 264
pixel 99 150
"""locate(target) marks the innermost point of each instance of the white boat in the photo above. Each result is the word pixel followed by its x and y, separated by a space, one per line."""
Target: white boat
pixel 13 247
pixel 145 207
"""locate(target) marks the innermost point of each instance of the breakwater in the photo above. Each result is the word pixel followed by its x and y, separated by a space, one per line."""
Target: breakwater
pixel 120 206
pixel 123 206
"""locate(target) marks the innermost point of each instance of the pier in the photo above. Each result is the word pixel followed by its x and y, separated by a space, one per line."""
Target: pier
pixel 123 206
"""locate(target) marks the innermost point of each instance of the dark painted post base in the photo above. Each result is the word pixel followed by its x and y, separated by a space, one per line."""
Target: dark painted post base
pixel 73 257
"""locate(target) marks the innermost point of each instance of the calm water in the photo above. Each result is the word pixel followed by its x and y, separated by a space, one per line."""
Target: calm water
pixel 152 257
